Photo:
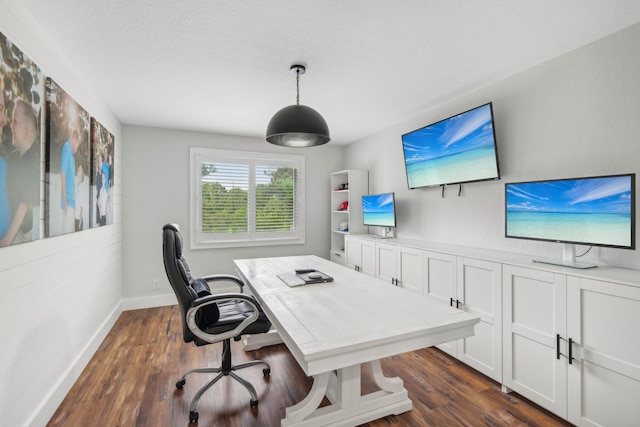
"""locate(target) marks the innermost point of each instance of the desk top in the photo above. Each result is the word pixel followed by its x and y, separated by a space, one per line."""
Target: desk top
pixel 354 319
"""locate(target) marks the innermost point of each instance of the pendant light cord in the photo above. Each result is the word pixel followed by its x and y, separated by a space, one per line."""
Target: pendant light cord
pixel 298 86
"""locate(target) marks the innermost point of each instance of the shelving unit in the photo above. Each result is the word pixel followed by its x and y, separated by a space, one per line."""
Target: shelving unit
pixel 347 186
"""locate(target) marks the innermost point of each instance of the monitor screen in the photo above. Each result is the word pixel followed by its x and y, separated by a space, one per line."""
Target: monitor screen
pixel 598 211
pixel 379 210
pixel 456 150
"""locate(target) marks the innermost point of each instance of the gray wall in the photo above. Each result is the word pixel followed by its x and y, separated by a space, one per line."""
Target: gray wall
pixel 577 115
pixel 156 172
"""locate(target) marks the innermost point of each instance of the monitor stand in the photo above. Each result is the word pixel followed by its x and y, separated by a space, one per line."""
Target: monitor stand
pixel 568 259
pixel 386 234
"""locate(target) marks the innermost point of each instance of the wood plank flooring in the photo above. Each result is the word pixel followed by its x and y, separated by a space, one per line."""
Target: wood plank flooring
pixel 131 382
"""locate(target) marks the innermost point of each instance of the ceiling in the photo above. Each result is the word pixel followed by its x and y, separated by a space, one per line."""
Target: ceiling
pixel 223 66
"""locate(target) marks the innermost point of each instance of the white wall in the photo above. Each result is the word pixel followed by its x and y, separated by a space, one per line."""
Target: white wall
pixel 58 296
pixel 577 115
pixel 156 192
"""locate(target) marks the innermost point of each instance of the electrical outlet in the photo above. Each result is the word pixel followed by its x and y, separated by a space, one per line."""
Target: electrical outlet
pixel 155 284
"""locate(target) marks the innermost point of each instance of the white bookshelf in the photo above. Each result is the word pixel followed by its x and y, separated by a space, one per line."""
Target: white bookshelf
pixel 357 182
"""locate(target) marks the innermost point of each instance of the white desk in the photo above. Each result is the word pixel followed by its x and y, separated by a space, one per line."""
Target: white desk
pixel 332 328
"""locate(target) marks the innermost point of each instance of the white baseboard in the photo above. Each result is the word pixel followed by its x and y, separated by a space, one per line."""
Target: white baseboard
pixel 43 413
pixel 148 302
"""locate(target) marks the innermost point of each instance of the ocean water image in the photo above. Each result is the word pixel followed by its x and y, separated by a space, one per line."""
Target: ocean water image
pixel 585 210
pixel 604 229
pixel 382 219
pixel 461 167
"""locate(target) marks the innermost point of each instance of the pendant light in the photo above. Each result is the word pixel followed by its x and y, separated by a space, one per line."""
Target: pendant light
pixel 298 125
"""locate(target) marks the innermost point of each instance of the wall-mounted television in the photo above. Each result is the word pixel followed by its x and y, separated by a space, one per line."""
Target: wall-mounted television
pixel 456 150
pixel 379 210
pixel 593 211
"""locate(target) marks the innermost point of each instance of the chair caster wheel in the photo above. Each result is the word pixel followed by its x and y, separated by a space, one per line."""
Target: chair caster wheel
pixel 179 386
pixel 193 416
pixel 254 403
pixel 266 371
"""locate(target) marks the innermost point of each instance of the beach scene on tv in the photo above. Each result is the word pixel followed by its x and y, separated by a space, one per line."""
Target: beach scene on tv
pixel 379 210
pixel 591 210
pixel 454 150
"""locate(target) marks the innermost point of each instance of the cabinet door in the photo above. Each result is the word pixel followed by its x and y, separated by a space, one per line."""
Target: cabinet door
pixel 360 255
pixel 439 276
pixel 479 290
pixel 409 269
pixel 386 262
pixel 368 257
pixel 439 282
pixel 353 253
pixel 534 304
pixel 604 376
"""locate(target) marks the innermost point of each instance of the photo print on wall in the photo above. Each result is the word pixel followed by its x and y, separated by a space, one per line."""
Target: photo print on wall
pixel 67 163
pixel 102 178
pixel 21 113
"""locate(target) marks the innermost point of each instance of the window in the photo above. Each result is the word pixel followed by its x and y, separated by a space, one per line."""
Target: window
pixel 243 198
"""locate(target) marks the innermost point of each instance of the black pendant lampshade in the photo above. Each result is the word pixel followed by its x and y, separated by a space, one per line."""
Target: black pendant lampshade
pixel 298 125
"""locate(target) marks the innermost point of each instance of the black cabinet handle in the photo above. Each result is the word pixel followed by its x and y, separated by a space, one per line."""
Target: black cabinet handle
pixel 458 303
pixel 570 351
pixel 451 302
pixel 558 346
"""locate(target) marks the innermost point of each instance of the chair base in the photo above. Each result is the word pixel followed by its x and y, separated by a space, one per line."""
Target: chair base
pixel 227 369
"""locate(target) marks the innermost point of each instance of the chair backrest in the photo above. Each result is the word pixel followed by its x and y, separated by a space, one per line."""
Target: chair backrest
pixel 178 273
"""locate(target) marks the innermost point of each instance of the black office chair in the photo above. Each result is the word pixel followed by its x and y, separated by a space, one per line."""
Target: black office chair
pixel 208 318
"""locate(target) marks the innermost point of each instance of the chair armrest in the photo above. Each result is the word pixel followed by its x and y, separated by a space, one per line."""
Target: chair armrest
pixel 224 278
pixel 199 303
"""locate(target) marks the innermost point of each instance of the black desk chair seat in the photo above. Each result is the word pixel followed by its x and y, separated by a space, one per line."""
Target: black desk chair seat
pixel 208 319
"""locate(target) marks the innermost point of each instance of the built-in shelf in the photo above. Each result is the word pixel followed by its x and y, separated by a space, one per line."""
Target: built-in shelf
pixel 347 186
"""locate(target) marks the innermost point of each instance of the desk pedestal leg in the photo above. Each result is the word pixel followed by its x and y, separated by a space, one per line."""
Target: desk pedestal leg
pixel 348 406
pixel 298 412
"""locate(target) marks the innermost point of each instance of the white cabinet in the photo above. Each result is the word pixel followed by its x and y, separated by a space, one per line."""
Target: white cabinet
pixel 604 375
pixel 570 345
pixel 534 315
pixel 360 255
pixel 399 265
pixel 474 286
pixel 386 262
pixel 479 291
pixel 347 188
pixel 439 282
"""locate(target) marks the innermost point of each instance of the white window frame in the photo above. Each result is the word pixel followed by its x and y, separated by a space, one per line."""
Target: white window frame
pixel 201 240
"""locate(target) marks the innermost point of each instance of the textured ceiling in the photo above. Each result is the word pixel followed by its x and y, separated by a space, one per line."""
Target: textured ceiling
pixel 223 66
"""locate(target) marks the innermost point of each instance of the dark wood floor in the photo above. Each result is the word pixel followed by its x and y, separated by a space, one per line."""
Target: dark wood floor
pixel 131 382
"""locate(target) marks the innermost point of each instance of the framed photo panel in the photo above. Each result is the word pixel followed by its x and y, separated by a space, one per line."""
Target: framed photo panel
pixel 21 113
pixel 68 163
pixel 102 177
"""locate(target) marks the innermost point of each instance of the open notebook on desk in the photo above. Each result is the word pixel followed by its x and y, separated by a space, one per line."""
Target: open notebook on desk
pixel 304 277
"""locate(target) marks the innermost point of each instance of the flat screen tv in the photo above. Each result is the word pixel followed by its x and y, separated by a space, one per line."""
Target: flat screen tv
pixel 593 211
pixel 456 150
pixel 379 210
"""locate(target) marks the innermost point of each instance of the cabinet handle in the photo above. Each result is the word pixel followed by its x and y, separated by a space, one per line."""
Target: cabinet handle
pixel 451 302
pixel 458 303
pixel 570 351
pixel 558 346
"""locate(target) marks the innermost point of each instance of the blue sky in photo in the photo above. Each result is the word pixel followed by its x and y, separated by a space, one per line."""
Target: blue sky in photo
pixel 464 132
pixel 379 203
pixel 607 195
